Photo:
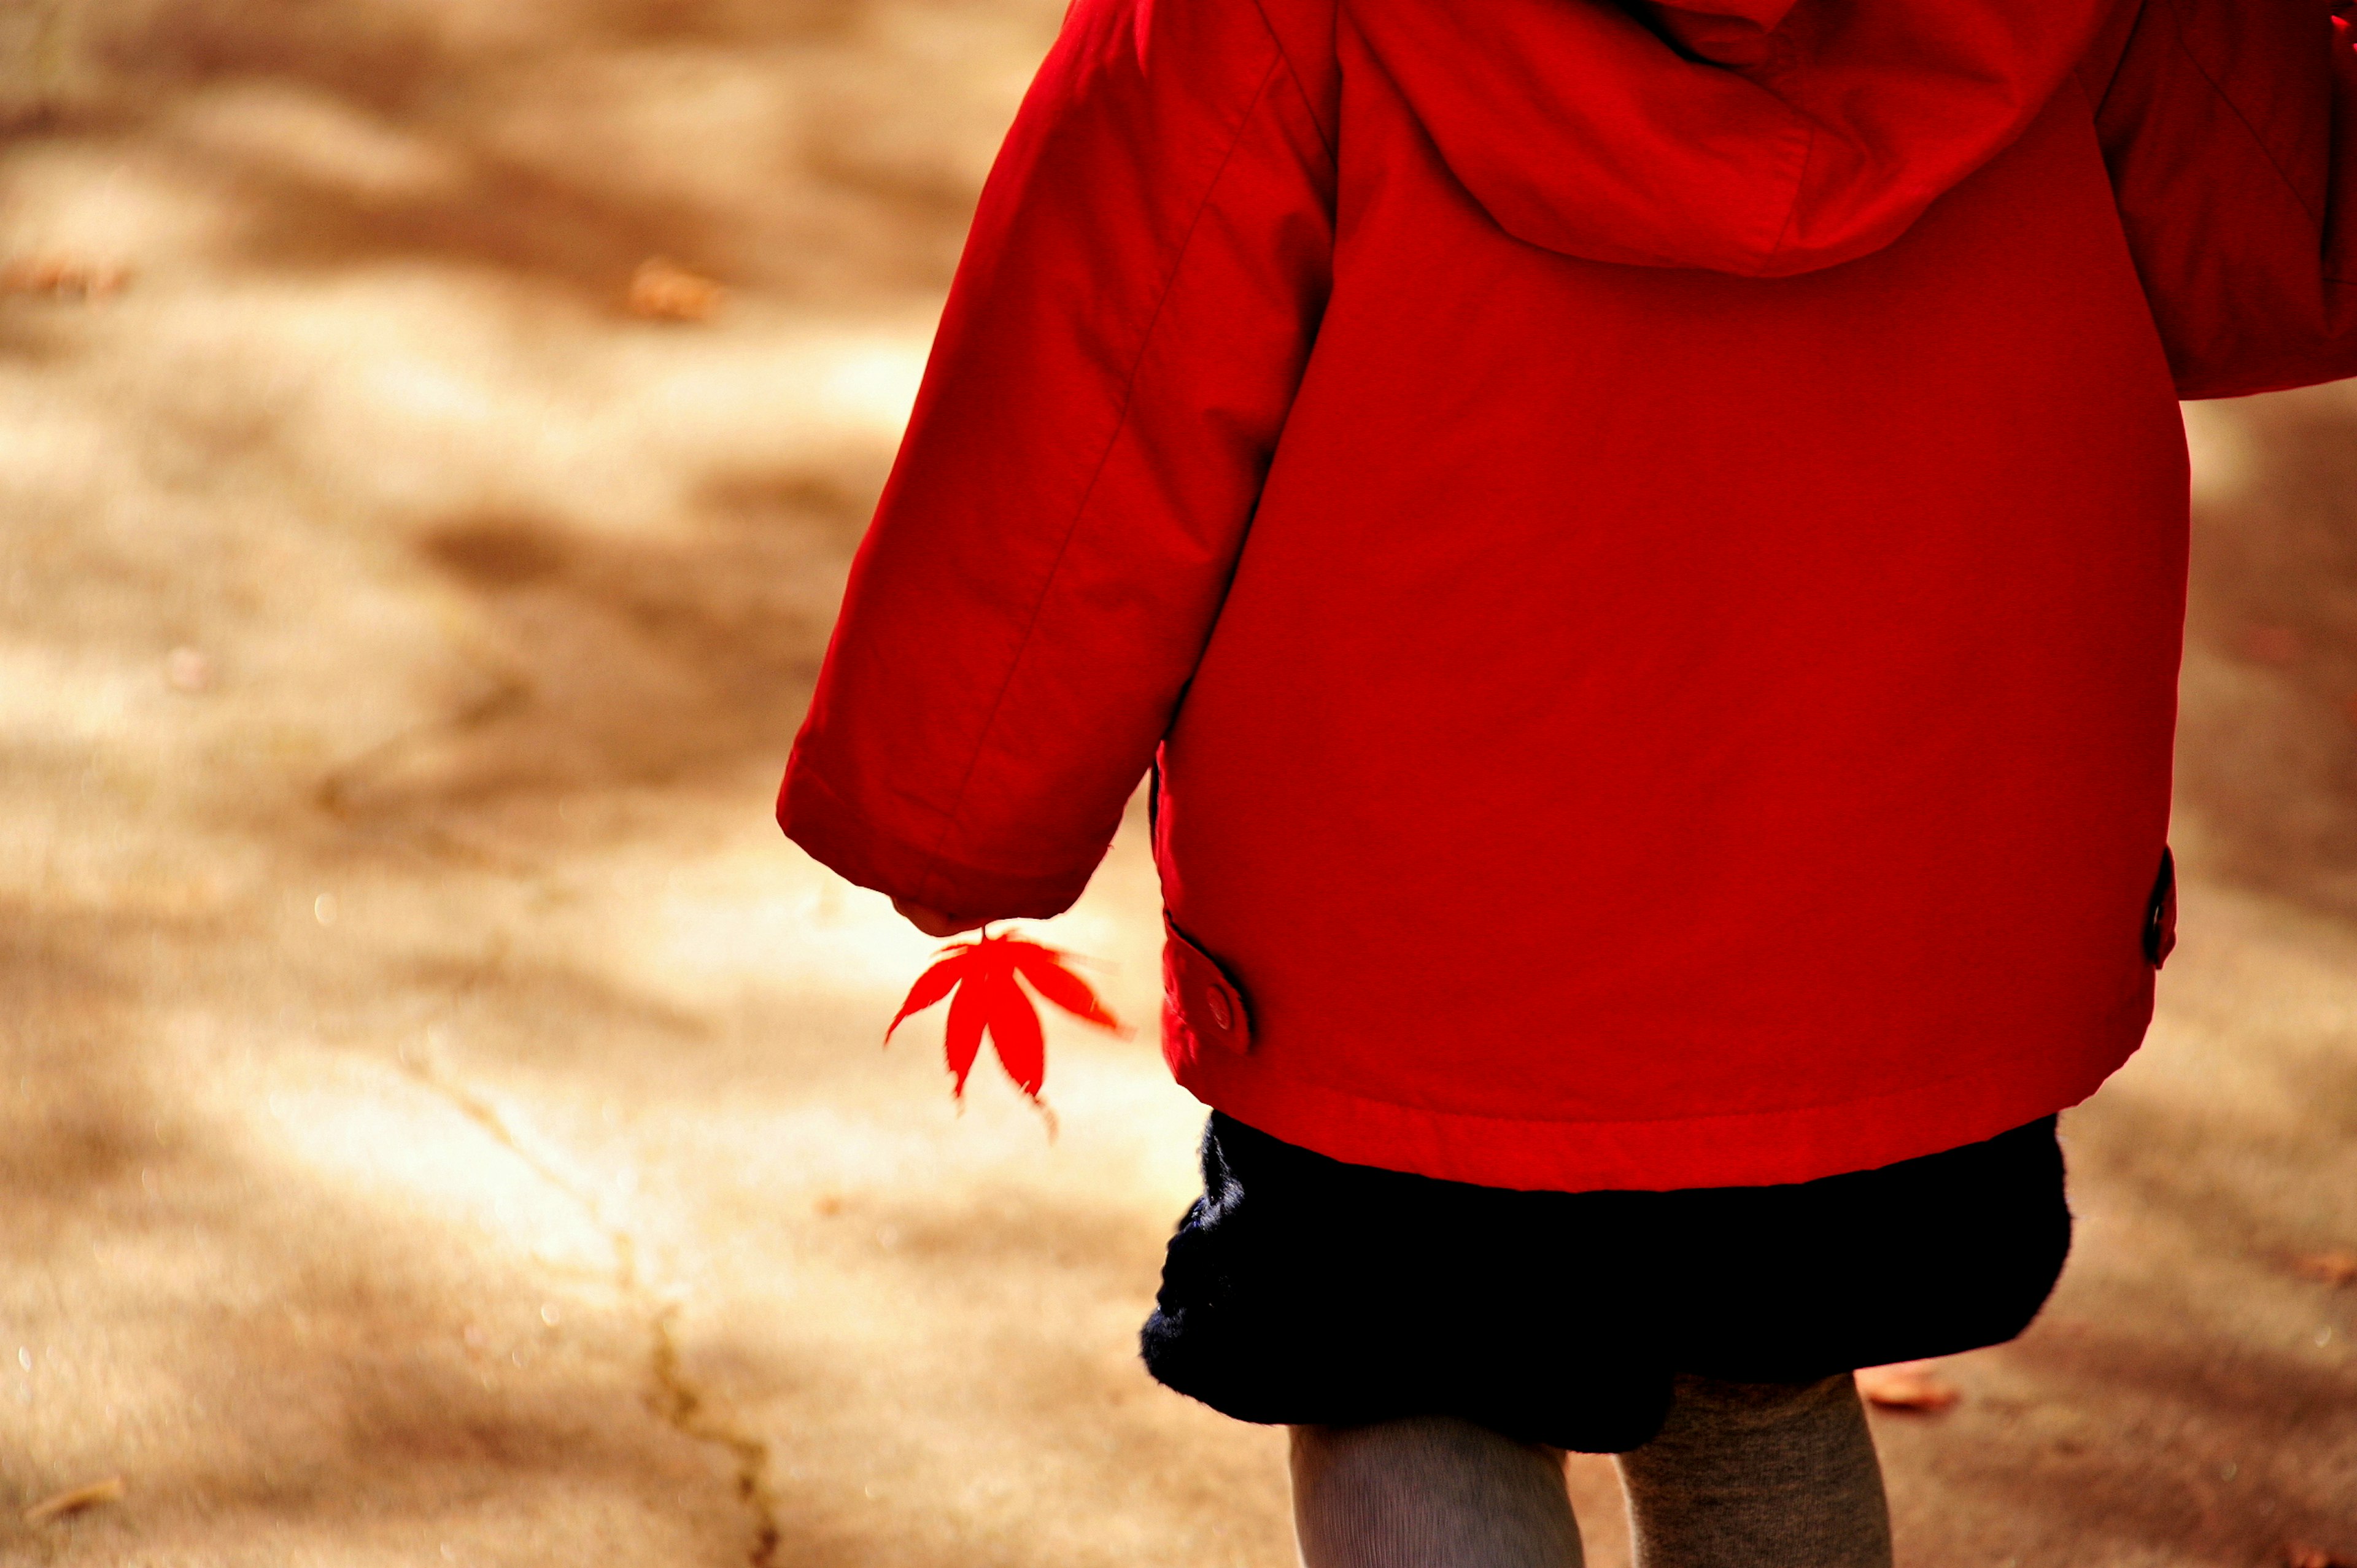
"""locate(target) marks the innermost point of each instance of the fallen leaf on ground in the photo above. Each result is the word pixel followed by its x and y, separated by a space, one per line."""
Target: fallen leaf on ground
pixel 1906 1385
pixel 662 290
pixel 2333 1268
pixel 64 279
pixel 110 1490
pixel 2298 1554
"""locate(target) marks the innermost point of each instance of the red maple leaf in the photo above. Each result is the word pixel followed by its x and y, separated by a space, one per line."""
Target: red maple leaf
pixel 989 997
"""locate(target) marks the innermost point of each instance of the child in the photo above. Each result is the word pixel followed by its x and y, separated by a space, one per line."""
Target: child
pixel 1645 547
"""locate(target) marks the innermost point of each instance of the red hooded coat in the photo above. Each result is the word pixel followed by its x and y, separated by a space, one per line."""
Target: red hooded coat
pixel 1648 543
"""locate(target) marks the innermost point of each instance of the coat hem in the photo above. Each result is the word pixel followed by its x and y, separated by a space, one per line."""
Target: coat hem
pixel 1741 1149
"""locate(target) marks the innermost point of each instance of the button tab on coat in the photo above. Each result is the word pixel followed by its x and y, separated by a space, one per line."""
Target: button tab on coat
pixel 1199 997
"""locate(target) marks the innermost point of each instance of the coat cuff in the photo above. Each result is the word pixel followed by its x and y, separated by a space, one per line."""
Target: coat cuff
pixel 838 836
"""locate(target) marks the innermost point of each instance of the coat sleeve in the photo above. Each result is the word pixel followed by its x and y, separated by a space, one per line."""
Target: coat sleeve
pixel 2230 128
pixel 1122 342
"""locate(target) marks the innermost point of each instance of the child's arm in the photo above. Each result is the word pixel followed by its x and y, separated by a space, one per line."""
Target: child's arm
pixel 2230 127
pixel 1132 315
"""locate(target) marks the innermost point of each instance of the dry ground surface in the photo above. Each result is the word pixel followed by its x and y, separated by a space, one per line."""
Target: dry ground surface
pixel 441 1123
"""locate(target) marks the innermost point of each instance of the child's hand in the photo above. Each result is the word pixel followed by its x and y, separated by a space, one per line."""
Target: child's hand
pixel 933 922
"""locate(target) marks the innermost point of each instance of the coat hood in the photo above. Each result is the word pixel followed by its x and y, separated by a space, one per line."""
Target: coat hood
pixel 1758 137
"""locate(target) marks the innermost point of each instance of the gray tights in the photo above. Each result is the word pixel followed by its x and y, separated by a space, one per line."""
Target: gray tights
pixel 1741 1476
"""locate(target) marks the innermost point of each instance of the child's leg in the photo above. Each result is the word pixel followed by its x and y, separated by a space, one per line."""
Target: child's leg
pixel 1759 1476
pixel 1434 1492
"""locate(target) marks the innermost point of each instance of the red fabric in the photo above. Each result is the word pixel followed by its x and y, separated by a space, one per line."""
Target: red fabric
pixel 1651 548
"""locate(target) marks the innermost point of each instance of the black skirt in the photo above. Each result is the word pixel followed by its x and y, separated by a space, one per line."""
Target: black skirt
pixel 1304 1291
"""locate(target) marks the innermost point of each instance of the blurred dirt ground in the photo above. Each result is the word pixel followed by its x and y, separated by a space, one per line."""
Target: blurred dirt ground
pixel 442 1122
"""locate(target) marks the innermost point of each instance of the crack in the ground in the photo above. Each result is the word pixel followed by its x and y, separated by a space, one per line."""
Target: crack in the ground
pixel 674 1396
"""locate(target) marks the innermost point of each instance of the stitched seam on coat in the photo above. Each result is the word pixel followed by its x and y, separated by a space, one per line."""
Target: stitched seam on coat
pixel 1294 74
pixel 1121 423
pixel 2178 36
